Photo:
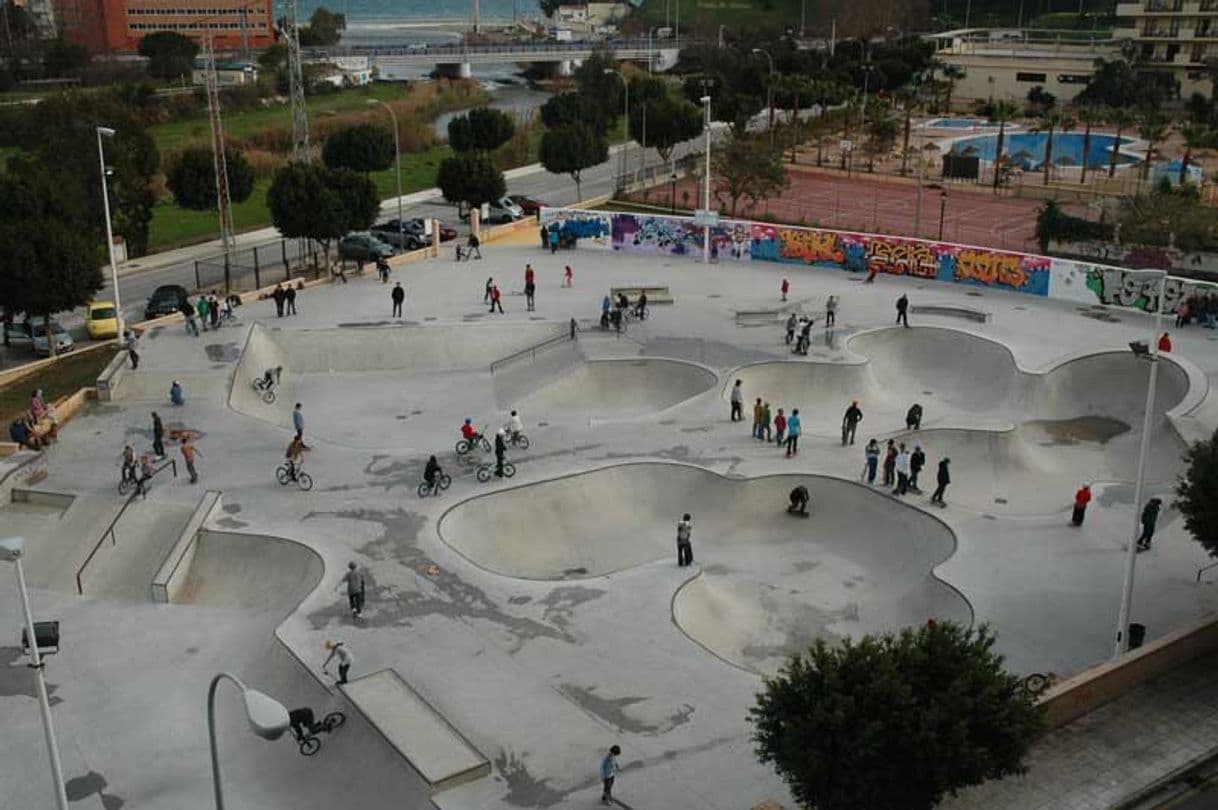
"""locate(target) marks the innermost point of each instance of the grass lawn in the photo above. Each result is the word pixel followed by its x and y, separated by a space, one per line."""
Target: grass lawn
pixel 57 380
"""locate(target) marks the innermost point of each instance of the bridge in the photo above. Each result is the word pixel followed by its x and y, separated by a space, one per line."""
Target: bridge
pixel 459 59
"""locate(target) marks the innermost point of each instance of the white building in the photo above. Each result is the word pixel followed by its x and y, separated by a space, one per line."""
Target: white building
pixel 1173 35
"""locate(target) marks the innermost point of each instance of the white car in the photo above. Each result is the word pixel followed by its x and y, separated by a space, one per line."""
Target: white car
pixel 504 209
pixel 34 335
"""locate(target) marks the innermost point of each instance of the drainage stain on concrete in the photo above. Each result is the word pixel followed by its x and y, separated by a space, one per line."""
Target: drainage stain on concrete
pixel 231 523
pixel 91 784
pixel 222 352
pixel 520 600
pixel 231 508
pixel 803 566
pixel 561 603
pixel 524 789
pixel 15 677
pixel 613 710
pixel 1100 429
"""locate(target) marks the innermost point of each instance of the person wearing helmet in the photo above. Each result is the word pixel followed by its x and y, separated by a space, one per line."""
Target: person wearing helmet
pixel 500 451
pixel 469 432
pixel 515 426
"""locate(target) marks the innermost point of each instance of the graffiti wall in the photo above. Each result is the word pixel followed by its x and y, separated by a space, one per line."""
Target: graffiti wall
pixel 679 236
pixel 898 256
pixel 591 228
pixel 1117 286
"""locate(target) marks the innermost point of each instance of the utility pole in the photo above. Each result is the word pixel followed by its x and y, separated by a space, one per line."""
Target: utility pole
pixel 219 162
pixel 300 114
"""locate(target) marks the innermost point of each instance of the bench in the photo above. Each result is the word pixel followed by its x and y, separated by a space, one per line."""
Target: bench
pixel 951 311
pixel 655 295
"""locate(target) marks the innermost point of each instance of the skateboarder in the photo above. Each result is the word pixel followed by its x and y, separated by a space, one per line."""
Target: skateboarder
pixel 943 477
pixel 338 649
pixel 354 581
pixel 1150 516
pixel 850 422
pixel 794 428
pixel 831 311
pixel 917 460
pixel 685 547
pixel 609 771
pixel 1081 499
pixel 913 417
pixel 903 310
pixel 799 501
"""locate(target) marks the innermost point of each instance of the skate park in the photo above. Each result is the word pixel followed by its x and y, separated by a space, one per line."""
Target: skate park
pixel 543 618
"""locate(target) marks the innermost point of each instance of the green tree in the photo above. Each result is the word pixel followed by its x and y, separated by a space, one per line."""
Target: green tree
pixel 951 75
pixel 63 58
pixel 192 177
pixel 881 134
pixel 1122 118
pixel 1089 114
pixel 1197 493
pixel 572 148
pixel 482 129
pixel 1051 120
pixel 362 148
pixel 662 124
pixel 549 7
pixel 274 58
pixel 895 722
pixel 593 82
pixel 471 178
pixel 325 28
pixel 307 201
pixel 747 167
pixel 1153 130
pixel 576 108
pixel 170 55
pixel 1195 136
pixel 1001 111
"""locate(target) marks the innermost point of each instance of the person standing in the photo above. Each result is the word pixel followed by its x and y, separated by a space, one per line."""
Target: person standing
pixel 831 311
pixel 902 467
pixel 338 649
pixel 685 543
pixel 495 299
pixel 942 478
pixel 791 321
pixel 500 452
pixel 765 423
pixel 793 430
pixel 903 310
pixel 545 237
pixel 298 421
pixel 289 300
pixel 737 401
pixel 213 309
pixel 609 766
pixel 158 436
pixel 871 460
pixel 353 579
pixel 1150 516
pixel 529 287
pixel 203 309
pixel 554 239
pixel 850 422
pixel 758 415
pixel 189 451
pixel 486 296
pixel 786 286
pixel 917 460
pixel 568 276
pixel 398 295
pixel 1081 499
pixel 890 464
pixel 132 343
pixel 188 312
pixel 913 417
pixel 780 427
pixel 277 295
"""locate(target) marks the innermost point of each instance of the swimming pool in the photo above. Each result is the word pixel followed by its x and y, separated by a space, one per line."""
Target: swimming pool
pixel 1027 149
pixel 959 123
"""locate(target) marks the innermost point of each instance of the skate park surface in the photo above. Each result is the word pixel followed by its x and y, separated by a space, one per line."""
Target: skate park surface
pixel 544 618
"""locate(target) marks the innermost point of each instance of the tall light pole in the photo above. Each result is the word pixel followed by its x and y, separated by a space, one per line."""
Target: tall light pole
pixel 267 718
pixel 397 156
pixel 11 549
pixel 101 158
pixel 769 91
pixel 625 162
pixel 706 100
pixel 1122 639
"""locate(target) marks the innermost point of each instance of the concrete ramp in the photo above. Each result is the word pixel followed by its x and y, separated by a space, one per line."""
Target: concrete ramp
pixel 255 572
pixel 410 724
pixel 153 386
pixel 618 389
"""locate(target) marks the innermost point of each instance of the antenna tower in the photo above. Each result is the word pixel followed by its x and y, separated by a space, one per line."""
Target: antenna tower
pixel 300 116
pixel 223 201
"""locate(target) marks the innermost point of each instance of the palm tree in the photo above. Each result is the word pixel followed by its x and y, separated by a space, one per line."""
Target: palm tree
pixel 910 98
pixel 1001 111
pixel 795 88
pixel 1089 114
pixel 1195 136
pixel 1051 119
pixel 953 74
pixel 1153 131
pixel 881 132
pixel 1122 117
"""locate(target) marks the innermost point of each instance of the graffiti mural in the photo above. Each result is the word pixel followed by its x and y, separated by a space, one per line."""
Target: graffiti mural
pixel 591 228
pixel 679 236
pixel 902 257
pixel 1121 287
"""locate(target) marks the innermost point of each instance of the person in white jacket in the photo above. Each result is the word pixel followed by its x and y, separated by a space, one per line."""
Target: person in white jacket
pixel 902 467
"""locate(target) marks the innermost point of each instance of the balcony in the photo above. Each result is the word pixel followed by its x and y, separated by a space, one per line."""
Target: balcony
pixel 1164 6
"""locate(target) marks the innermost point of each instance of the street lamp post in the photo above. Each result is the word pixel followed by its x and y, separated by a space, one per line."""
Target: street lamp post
pixel 706 100
pixel 942 211
pixel 397 155
pixel 101 157
pixel 267 718
pixel 11 549
pixel 769 91
pixel 625 140
pixel 1122 637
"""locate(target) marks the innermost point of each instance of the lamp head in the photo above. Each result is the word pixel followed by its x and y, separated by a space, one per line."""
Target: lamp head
pixel 705 99
pixel 371 102
pixel 107 131
pixel 268 718
pixel 11 548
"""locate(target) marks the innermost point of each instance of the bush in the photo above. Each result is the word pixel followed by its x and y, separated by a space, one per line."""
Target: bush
pixel 1055 225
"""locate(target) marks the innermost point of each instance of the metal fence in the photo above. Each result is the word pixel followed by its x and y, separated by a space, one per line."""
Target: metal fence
pixel 263 265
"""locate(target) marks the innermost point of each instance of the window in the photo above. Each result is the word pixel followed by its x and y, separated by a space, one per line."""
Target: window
pixel 1073 78
pixel 1035 78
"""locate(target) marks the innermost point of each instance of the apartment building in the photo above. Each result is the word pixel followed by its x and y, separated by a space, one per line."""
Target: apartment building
pixel 117 26
pixel 1175 35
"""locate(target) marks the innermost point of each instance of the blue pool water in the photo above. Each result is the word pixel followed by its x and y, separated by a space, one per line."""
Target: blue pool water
pixel 1027 149
pixel 959 123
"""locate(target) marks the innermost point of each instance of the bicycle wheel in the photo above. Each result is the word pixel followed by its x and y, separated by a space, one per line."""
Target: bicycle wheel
pixel 268 396
pixel 333 720
pixel 1036 683
pixel 484 474
pixel 509 469
pixel 125 486
pixel 462 447
pixel 304 481
pixel 445 481
pixel 424 489
pixel 283 476
pixel 486 445
pixel 310 746
pixel 522 441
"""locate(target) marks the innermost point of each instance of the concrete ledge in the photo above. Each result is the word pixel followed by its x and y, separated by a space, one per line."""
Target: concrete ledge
pixel 175 568
pixel 111 378
pixel 1091 689
pixel 952 311
pixel 59 500
pixel 410 724
pixel 17 372
pixel 22 468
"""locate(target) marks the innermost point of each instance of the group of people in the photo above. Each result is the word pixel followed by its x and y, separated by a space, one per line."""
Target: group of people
pixel 210 310
pixel 25 430
pixel 284 296
pixel 1202 307
pixel 799 327
pixel 1148 519
pixel 614 312
pixel 786 429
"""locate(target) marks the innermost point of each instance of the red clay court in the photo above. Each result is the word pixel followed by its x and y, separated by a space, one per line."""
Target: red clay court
pixel 973 214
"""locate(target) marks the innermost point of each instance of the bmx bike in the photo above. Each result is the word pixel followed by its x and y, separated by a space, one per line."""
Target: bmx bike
pixel 441 483
pixel 487 470
pixel 285 475
pixel 309 742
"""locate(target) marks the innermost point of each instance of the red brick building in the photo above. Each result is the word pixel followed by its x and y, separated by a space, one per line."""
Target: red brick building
pixel 116 26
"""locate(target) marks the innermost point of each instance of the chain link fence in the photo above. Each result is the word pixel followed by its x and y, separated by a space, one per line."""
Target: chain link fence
pixel 272 263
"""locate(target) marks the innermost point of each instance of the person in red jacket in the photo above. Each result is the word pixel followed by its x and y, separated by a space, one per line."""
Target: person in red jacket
pixel 1164 343
pixel 786 286
pixel 495 302
pixel 1081 499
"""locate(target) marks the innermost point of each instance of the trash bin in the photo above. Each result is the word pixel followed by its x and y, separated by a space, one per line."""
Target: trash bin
pixel 1137 634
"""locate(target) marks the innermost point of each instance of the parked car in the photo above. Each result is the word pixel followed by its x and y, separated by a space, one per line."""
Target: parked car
pixel 17 333
pixel 101 320
pixel 529 205
pixel 165 300
pixel 447 232
pixel 498 211
pixel 362 246
pixel 42 347
pixel 404 238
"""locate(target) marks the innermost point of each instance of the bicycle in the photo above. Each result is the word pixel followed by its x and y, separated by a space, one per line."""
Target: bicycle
pixel 441 483
pixel 487 470
pixel 463 446
pixel 518 440
pixel 267 390
pixel 128 482
pixel 1037 684
pixel 309 742
pixel 285 474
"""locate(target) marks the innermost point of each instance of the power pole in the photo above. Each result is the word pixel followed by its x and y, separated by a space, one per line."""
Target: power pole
pixel 300 114
pixel 223 200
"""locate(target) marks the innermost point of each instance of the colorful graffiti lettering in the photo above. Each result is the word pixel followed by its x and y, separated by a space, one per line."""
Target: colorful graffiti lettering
pixel 998 269
pixel 902 258
pixel 677 236
pixel 588 225
pixel 1117 286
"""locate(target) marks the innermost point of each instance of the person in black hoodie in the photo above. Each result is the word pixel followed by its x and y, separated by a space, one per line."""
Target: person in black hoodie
pixel 916 462
pixel 943 478
pixel 850 422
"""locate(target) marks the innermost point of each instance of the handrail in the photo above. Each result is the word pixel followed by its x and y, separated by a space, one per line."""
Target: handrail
pixel 1205 568
pixel 110 529
pixel 532 350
